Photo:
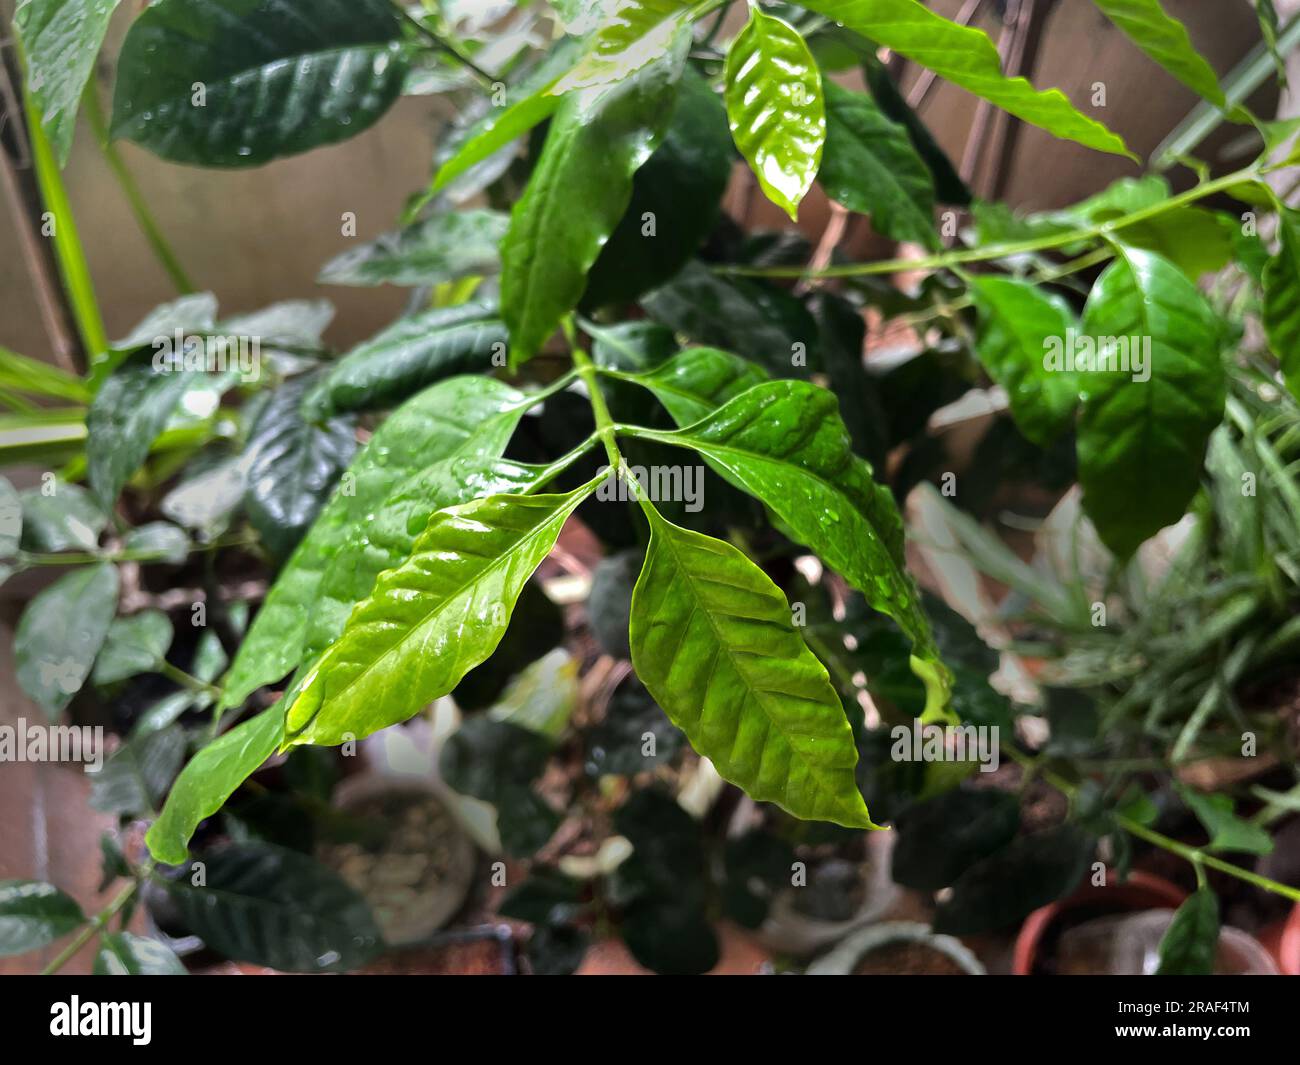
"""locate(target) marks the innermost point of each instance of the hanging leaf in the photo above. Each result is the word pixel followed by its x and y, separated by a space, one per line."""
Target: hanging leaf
pixel 445 247
pixel 967 58
pixel 126 954
pixel 209 779
pixel 871 167
pixel 1282 298
pixel 1018 323
pixel 775 107
pixel 293 465
pixel 577 194
pixel 409 355
pixel 60 40
pixel 275 907
pixel 1142 441
pixel 239 83
pixel 1189 945
pixel 712 640
pixel 1164 39
pixel 34 915
pixel 134 645
pixel 61 632
pixel 430 620
pixel 432 425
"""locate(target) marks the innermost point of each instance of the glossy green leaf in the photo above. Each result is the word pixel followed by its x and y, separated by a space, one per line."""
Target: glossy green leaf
pixel 126 416
pixel 66 517
pixel 1190 943
pixel 775 107
pixel 698 380
pixel 126 954
pixel 784 443
pixel 676 200
pixel 275 907
pixel 1195 240
pixel 136 776
pixel 210 778
pixel 1165 40
pixel 274 77
pixel 871 167
pixel 11 520
pixel 33 915
pixel 444 247
pixel 631 346
pixel 967 58
pixel 631 35
pixel 1018 323
pixel 409 355
pixel 577 194
pixel 1282 298
pixel 431 426
pixel 293 465
pixel 431 619
pixel 61 632
pixel 60 41
pixel 1142 443
pixel 135 644
pixel 712 640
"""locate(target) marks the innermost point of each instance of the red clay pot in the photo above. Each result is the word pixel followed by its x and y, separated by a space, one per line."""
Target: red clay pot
pixel 1141 891
pixel 1288 951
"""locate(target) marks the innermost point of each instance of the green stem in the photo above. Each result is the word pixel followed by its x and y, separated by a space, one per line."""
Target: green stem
pixel 452 49
pixel 1001 251
pixel 67 242
pixel 139 207
pixel 605 427
pixel 93 927
pixel 187 680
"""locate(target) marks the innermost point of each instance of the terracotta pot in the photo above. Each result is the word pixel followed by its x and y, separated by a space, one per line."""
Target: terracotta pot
pixel 1288 953
pixel 1141 891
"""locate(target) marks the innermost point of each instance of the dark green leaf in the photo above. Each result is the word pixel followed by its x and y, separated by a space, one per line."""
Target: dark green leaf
pixel 60 40
pixel 293 465
pixel 639 345
pixel 61 632
pixel 442 248
pixel 126 954
pixel 1189 946
pixel 276 907
pixel 1165 40
pixel 1142 442
pixel 775 107
pixel 871 167
pixel 712 640
pixel 11 520
pixel 68 518
pixel 577 194
pixel 635 736
pixel 941 838
pixel 697 381
pixel 158 541
pixel 966 57
pixel 1018 321
pixel 1282 298
pixel 536 627
pixel 843 344
pixel 136 644
pixel 33 914
pixel 136 777
pixel 276 77
pixel 430 620
pixel 557 950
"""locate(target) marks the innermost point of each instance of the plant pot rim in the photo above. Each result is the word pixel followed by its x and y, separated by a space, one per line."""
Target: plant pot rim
pixel 1154 891
pixel 1288 952
pixel 842 960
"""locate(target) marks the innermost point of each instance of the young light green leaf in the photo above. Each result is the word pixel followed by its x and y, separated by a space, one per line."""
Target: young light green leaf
pixel 871 167
pixel 1145 424
pixel 61 632
pixel 441 248
pixel 784 442
pixel 430 620
pixel 966 57
pixel 228 83
pixel 427 428
pixel 33 377
pixel 1189 945
pixel 712 640
pixel 775 107
pixel 11 520
pixel 631 35
pixel 1165 40
pixel 126 954
pixel 33 915
pixel 1228 832
pixel 293 465
pixel 60 41
pixel 210 778
pixel 577 194
pixel 1282 298
pixel 409 355
pixel 1018 325
pixel 135 644
pixel 697 381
